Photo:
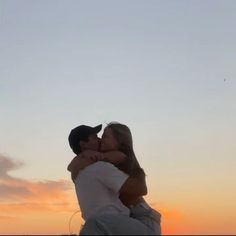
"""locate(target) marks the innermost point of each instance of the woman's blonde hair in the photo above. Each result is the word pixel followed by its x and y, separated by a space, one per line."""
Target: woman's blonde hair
pixel 124 139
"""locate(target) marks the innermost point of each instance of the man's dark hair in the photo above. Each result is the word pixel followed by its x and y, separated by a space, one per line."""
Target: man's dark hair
pixel 81 133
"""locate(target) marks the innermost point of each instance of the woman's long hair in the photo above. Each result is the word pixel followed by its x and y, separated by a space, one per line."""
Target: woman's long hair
pixel 124 139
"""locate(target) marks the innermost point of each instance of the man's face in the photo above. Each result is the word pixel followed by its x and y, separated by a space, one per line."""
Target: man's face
pixel 93 143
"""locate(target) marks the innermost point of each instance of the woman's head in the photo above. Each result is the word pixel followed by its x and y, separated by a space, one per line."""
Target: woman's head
pixel 117 137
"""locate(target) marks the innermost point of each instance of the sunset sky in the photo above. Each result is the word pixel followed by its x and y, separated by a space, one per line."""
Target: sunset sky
pixel 164 68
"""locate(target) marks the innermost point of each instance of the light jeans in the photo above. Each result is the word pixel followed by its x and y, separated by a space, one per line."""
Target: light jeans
pixel 148 216
pixel 143 221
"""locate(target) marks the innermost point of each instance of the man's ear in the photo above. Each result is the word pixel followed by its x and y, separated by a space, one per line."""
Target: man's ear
pixel 82 145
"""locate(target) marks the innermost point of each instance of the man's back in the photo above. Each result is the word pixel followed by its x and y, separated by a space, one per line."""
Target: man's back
pixel 97 189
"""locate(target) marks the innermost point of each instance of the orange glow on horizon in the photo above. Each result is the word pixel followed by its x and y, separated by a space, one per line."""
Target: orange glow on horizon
pixel 45 207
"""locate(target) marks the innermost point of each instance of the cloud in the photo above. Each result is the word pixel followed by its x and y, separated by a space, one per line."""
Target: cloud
pixel 7 218
pixel 25 190
pixel 7 164
pixel 10 192
pixel 19 195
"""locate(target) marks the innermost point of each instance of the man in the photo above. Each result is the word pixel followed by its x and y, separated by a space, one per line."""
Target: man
pixel 99 186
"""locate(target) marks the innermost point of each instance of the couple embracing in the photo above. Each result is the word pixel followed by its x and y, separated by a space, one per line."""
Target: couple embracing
pixel 109 183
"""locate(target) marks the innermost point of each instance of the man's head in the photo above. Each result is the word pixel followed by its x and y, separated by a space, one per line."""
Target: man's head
pixel 84 138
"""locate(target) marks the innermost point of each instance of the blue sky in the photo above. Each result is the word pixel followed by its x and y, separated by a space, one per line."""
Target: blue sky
pixel 164 68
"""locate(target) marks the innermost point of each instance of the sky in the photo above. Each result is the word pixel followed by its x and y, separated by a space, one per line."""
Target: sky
pixel 164 68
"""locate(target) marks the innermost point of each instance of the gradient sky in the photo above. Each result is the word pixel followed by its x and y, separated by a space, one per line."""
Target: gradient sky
pixel 164 68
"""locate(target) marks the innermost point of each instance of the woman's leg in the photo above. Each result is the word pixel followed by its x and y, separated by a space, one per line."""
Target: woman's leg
pixel 148 216
pixel 114 225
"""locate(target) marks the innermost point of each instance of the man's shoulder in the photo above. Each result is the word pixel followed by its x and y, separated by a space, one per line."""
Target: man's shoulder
pixel 99 165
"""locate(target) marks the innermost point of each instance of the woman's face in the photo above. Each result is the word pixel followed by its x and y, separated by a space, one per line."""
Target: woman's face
pixel 108 142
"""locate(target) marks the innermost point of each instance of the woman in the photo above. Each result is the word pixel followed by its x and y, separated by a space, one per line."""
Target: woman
pixel 117 138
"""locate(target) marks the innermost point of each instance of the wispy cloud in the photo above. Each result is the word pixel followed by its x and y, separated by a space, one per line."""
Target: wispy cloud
pixel 7 164
pixel 17 194
pixel 12 192
pixel 7 218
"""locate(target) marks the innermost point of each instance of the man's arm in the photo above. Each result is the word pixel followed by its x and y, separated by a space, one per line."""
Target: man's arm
pixel 119 182
pixel 133 190
pixel 134 186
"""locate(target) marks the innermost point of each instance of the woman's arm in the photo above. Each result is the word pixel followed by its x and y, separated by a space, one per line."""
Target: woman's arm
pixel 131 191
pixel 88 157
pixel 114 157
pixel 72 163
pixel 78 163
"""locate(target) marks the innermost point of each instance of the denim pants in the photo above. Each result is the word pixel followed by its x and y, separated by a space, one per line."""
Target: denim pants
pixel 148 216
pixel 142 221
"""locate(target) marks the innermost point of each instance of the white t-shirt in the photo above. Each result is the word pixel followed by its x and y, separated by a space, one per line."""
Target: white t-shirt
pixel 97 188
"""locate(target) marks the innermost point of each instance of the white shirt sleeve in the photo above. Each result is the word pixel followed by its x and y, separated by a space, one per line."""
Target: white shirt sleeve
pixel 110 176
